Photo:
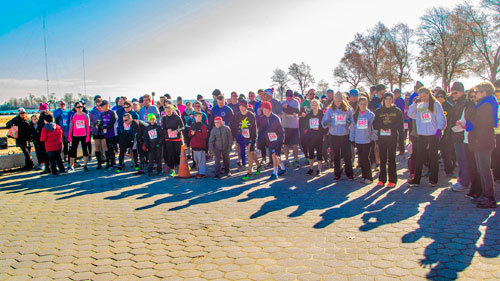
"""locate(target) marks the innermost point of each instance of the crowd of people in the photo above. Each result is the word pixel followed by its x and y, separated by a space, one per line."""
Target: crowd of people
pixel 460 127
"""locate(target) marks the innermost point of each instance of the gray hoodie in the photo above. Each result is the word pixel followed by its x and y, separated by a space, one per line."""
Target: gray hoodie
pixel 221 138
pixel 427 122
pixel 362 131
pixel 337 121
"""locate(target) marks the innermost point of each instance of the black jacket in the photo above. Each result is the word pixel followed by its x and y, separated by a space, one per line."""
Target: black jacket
pixel 153 137
pixel 454 115
pixel 389 118
pixel 174 123
pixel 23 130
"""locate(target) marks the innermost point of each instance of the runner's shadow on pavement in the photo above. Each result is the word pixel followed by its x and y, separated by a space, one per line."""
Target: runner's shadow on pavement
pixel 454 231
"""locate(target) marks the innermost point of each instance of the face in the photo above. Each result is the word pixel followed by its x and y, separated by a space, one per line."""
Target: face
pixel 311 95
pixel 34 118
pixel 126 120
pixel 152 121
pixel 353 98
pixel 179 102
pixel 441 99
pixel 234 97
pixel 197 107
pixel 189 105
pixel 218 123
pixel 388 101
pixel 473 96
pixel 363 105
pixel 197 118
pixel 220 102
pixel 79 107
pixel 120 102
pixel 105 107
pixel 251 96
pixel 337 101
pixel 289 98
pixel 315 106
pixel 146 101
pixel 397 95
pixel 98 102
pixel 62 105
pixel 261 95
pixel 168 110
pixel 266 112
pixel 423 96
pixel 135 107
pixel 243 108
pixel 481 94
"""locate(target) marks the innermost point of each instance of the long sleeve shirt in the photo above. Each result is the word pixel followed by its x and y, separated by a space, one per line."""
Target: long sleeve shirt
pixel 337 121
pixel 428 122
pixel 362 131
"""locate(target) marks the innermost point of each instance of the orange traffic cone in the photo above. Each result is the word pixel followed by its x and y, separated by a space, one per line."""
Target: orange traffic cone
pixel 183 166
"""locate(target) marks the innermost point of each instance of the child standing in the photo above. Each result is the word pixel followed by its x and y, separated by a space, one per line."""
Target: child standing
pixel 363 135
pixel 198 133
pixel 51 135
pixel 153 138
pixel 220 142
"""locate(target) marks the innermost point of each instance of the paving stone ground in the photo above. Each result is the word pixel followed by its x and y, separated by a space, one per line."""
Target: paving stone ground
pixel 103 226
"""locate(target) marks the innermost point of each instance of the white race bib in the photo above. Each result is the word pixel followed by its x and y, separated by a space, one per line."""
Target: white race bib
pixel 245 132
pixel 314 123
pixel 385 133
pixel 340 119
pixel 126 126
pixel 272 137
pixel 172 134
pixel 65 122
pixel 426 117
pixel 152 134
pixel 406 125
pixel 80 124
pixel 362 124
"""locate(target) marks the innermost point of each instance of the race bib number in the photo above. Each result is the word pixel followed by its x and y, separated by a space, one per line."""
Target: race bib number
pixel 340 119
pixel 172 134
pixel 425 117
pixel 314 123
pixel 80 124
pixel 65 122
pixel 152 134
pixel 146 118
pixel 272 137
pixel 405 125
pixel 126 127
pixel 362 124
pixel 245 132
pixel 385 133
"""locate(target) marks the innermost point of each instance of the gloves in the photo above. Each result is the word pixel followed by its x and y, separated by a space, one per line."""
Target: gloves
pixel 469 126
pixel 438 134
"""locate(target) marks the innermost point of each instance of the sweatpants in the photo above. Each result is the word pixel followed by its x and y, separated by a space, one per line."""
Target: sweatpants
pixel 387 149
pixel 55 161
pixel 447 154
pixel 173 153
pixel 110 153
pixel 224 154
pixel 341 148
pixel 364 160
pixel 200 160
pixel 314 143
pixel 483 162
pixel 241 144
pixel 154 155
pixel 427 149
pixel 475 181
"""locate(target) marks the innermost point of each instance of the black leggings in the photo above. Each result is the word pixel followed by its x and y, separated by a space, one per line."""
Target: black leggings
pixel 314 142
pixel 427 149
pixel 172 153
pixel 26 148
pixel 387 150
pixel 364 160
pixel 74 146
pixel 123 150
pixel 341 148
pixel 110 153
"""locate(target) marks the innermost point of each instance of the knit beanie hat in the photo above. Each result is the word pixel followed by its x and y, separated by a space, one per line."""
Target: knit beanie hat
pixel 267 105
pixel 458 87
pixel 151 116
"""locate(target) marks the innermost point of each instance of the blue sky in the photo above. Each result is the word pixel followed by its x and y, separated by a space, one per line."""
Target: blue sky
pixel 180 47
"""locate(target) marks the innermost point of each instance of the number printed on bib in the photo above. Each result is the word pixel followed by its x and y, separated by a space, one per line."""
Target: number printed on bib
pixel 65 122
pixel 406 125
pixel 152 134
pixel 272 137
pixel 385 133
pixel 426 117
pixel 80 124
pixel 172 134
pixel 126 126
pixel 314 123
pixel 362 124
pixel 245 132
pixel 340 119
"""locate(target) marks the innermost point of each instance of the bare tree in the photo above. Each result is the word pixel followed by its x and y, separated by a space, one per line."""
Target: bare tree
pixel 322 87
pixel 280 80
pixel 398 58
pixel 68 98
pixel 349 70
pixel 443 47
pixel 483 35
pixel 302 75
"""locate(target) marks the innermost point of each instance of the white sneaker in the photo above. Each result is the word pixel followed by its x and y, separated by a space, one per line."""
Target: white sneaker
pixel 367 181
pixel 458 187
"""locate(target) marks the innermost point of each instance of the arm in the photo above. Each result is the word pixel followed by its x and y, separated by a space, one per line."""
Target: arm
pixel 180 124
pixel 70 134
pixel 11 122
pixel 43 135
pixel 412 111
pixel 290 110
pixel 400 124
pixel 211 140
pixel 441 118
pixel 326 119
pixel 87 128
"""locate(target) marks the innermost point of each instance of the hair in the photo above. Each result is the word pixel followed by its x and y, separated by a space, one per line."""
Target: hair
pixel 364 94
pixel 486 87
pixel 432 99
pixel 372 89
pixel 316 101
pixel 344 106
pixel 49 118
pixel 469 92
pixel 127 103
pixel 188 103
pixel 179 98
pixel 221 97
pixel 128 115
pixel 251 92
pixel 196 102
pixel 440 92
pixel 76 103
pixel 147 96
pixel 356 113
pixel 197 113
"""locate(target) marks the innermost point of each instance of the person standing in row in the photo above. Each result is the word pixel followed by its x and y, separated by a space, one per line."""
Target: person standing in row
pixel 314 133
pixel 430 121
pixel 363 135
pixel 51 136
pixel 109 125
pixel 172 127
pixel 247 133
pixel 79 132
pixel 389 125
pixel 274 134
pixel 338 119
pixel 290 122
pixel 220 142
pixel 153 139
pixel 23 136
pixel 198 132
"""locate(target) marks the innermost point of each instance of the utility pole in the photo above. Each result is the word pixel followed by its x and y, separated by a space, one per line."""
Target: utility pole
pixel 45 49
pixel 84 80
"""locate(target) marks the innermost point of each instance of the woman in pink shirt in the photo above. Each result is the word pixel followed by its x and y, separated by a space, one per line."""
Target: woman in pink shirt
pixel 79 133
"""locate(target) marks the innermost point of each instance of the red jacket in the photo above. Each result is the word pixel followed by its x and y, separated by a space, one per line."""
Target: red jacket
pixel 199 139
pixel 52 137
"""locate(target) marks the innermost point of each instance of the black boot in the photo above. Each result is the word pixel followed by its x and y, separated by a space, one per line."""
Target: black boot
pixel 98 157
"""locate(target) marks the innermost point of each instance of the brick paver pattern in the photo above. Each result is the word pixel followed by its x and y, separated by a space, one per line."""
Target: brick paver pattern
pixel 103 226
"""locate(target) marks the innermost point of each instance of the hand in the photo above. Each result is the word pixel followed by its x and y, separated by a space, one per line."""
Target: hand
pixel 303 114
pixel 284 105
pixel 193 133
pixel 459 123
pixel 169 131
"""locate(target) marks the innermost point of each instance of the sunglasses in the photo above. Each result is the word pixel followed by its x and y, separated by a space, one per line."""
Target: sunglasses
pixel 22 112
pixel 126 107
pixel 79 107
pixel 126 120
pixel 196 106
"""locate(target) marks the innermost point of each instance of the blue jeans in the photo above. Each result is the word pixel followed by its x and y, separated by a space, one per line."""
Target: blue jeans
pixel 463 165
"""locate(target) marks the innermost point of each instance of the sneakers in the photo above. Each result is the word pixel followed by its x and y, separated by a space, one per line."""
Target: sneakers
pixel 412 183
pixel 247 177
pixel 295 164
pixel 377 168
pixel 150 174
pixel 200 176
pixel 273 177
pixel 487 204
pixel 310 172
pixel 380 184
pixel 281 172
pixel 391 185
pixel 366 181
pixel 137 167
pixel 85 168
pixel 319 173
pixel 431 184
pixel 458 187
pixel 259 170
pixel 336 178
pixel 71 170
pixel 172 173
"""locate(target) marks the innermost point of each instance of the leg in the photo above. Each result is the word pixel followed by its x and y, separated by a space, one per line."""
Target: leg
pixel 364 160
pixel 335 147
pixel 382 148
pixel 433 159
pixel 461 151
pixel 59 162
pixel 420 157
pixel 121 157
pixel 346 155
pixel 391 161
pixel 225 159
pixel 202 160
pixel 483 162
pixel 218 154
pixel 52 160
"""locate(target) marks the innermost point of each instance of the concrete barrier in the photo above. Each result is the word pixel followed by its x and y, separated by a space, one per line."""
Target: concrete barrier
pixel 13 161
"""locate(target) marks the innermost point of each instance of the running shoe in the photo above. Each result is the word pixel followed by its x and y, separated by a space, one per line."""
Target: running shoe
pixel 281 172
pixel 273 177
pixel 247 177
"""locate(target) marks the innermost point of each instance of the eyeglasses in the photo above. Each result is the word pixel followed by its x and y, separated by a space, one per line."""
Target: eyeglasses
pixel 126 107
pixel 22 112
pixel 79 107
pixel 126 120
pixel 196 106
